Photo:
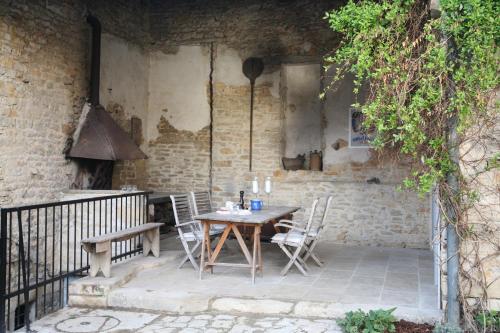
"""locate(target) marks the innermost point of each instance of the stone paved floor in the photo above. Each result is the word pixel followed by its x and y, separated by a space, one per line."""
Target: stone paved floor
pixel 79 320
pixel 380 276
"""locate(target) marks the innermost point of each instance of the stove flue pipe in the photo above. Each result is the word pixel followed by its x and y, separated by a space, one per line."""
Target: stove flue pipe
pixel 95 62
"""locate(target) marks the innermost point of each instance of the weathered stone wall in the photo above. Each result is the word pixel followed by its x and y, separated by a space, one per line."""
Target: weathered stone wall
pixel 361 214
pixel 276 30
pixel 189 41
pixel 44 66
pixel 481 257
pixel 285 35
pixel 178 129
pixel 44 73
pixel 176 66
pixel 124 93
pixel 42 85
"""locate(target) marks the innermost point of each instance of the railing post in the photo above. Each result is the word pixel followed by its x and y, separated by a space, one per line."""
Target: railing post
pixel 3 268
pixel 22 257
pixel 146 209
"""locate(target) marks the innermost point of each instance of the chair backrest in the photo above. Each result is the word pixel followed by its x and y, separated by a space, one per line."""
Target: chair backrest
pixel 322 224
pixel 183 212
pixel 311 216
pixel 202 202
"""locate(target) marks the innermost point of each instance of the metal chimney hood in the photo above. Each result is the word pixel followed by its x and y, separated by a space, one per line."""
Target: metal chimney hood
pixel 98 136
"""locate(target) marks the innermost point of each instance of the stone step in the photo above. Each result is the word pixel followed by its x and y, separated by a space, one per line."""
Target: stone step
pixel 94 291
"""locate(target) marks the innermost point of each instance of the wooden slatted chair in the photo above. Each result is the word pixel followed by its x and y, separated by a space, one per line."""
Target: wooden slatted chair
pixel 190 230
pixel 314 235
pixel 295 238
pixel 202 204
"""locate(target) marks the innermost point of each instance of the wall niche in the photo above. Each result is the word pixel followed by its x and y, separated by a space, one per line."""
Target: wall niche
pixel 302 114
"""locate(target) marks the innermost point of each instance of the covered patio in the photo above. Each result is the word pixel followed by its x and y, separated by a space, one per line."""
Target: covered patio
pixel 170 95
pixel 351 278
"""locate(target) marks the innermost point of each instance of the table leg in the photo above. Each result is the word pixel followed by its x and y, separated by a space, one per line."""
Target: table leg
pixel 254 254
pixel 209 247
pixel 242 244
pixel 203 243
pixel 220 244
pixel 259 249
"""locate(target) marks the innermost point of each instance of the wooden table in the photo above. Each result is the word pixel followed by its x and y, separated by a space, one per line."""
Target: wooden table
pixel 256 220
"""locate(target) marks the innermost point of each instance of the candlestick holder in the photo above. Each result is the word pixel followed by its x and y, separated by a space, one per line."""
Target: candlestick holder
pixel 267 189
pixel 255 187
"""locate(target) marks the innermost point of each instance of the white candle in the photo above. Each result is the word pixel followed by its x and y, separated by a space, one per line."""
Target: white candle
pixel 255 185
pixel 267 185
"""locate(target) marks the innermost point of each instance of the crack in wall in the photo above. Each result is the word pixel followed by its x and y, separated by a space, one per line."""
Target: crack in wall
pixel 211 103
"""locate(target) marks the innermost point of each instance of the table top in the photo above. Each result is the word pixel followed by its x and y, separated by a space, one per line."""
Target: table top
pixel 257 217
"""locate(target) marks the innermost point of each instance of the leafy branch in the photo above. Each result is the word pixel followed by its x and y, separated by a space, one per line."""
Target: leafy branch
pixel 421 72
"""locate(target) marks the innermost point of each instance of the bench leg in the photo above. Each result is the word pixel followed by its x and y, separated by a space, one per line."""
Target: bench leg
pixel 100 262
pixel 151 242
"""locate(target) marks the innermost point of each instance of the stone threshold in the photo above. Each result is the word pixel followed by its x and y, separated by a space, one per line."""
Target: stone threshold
pixel 100 292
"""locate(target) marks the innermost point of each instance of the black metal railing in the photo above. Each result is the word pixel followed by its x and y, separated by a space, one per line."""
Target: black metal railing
pixel 40 250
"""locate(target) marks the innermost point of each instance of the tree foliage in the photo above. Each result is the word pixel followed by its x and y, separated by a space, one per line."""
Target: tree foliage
pixel 416 84
pixel 425 72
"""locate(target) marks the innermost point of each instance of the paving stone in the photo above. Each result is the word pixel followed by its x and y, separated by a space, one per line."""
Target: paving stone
pixel 190 330
pixel 198 323
pixel 204 317
pixel 222 323
pixel 75 320
pixel 224 317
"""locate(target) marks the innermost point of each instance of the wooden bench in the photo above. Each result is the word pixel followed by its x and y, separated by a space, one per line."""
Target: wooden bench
pixel 99 247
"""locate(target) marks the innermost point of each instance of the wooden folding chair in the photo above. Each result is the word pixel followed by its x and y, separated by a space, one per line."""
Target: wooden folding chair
pixel 202 204
pixel 295 238
pixel 189 230
pixel 314 235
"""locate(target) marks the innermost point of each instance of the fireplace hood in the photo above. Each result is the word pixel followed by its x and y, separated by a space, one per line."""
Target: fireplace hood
pixel 98 136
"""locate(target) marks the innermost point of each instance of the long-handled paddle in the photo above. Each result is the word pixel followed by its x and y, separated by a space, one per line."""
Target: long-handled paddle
pixel 252 68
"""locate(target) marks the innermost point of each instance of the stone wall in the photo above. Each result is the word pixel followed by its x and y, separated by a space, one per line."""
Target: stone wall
pixel 362 213
pixel 176 67
pixel 291 38
pixel 42 86
pixel 179 119
pixel 124 93
pixel 44 72
pixel 479 153
pixel 192 43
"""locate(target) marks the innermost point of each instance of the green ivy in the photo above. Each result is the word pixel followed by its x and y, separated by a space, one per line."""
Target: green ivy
pixel 416 83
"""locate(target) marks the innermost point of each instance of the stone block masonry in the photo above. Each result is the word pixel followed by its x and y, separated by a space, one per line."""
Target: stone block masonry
pixel 42 85
pixel 284 35
pixel 44 73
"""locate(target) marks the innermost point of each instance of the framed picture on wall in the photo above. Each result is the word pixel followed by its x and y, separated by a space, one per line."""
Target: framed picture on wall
pixel 358 137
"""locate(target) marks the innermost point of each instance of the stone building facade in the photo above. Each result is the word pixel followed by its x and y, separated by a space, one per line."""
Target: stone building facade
pixel 176 67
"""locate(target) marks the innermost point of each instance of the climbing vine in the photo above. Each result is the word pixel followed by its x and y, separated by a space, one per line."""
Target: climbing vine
pixel 421 71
